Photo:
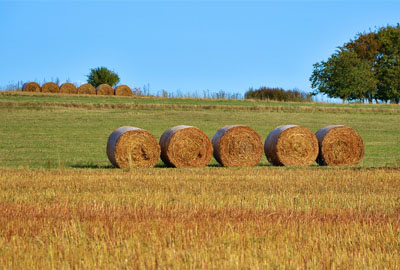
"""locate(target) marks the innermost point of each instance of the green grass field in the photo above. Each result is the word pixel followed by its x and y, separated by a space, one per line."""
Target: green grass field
pixel 41 131
pixel 62 206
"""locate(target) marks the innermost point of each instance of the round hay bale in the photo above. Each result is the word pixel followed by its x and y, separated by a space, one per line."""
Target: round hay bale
pixel 86 89
pixel 104 90
pixel 339 145
pixel 237 146
pixel 291 145
pixel 50 87
pixel 31 87
pixel 68 88
pixel 123 90
pixel 131 147
pixel 185 147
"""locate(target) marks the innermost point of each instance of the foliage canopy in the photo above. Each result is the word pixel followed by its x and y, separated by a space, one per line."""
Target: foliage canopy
pixel 102 75
pixel 367 68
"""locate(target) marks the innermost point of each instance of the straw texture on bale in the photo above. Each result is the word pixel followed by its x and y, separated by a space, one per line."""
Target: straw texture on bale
pixel 68 88
pixel 237 146
pixel 339 145
pixel 86 89
pixel 131 147
pixel 104 90
pixel 31 87
pixel 291 145
pixel 50 87
pixel 185 147
pixel 123 90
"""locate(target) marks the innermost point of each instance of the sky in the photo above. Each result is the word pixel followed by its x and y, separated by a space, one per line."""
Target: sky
pixel 185 46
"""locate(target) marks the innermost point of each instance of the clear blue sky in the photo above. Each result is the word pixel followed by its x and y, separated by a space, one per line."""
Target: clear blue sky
pixel 181 45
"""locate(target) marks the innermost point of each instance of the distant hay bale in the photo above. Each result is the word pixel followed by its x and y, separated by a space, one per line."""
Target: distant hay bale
pixel 104 90
pixel 123 90
pixel 185 147
pixel 131 147
pixel 50 87
pixel 291 145
pixel 86 89
pixel 339 145
pixel 68 88
pixel 31 87
pixel 237 146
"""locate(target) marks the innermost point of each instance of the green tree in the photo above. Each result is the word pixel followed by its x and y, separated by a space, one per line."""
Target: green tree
pixel 365 68
pixel 343 76
pixel 102 75
pixel 388 64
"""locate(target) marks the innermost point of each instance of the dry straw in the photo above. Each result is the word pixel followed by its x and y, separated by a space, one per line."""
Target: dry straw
pixel 50 87
pixel 185 147
pixel 86 89
pixel 31 87
pixel 291 145
pixel 339 146
pixel 123 90
pixel 237 146
pixel 131 147
pixel 104 90
pixel 68 88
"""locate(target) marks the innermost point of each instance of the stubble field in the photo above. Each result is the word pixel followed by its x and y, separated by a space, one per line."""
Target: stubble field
pixel 62 206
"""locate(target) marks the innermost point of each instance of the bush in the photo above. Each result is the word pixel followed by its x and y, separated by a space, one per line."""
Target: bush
pixel 278 94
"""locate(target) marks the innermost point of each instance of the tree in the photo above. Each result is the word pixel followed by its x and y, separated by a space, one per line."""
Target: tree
pixel 343 76
pixel 388 64
pixel 365 68
pixel 102 75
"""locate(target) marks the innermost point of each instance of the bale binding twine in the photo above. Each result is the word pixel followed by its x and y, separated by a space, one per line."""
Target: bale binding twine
pixel 123 90
pixel 31 87
pixel 86 89
pixel 50 87
pixel 291 145
pixel 237 146
pixel 185 147
pixel 131 147
pixel 339 145
pixel 68 88
pixel 104 90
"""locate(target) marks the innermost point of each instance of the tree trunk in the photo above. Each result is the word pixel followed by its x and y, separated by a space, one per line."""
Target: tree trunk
pixel 343 100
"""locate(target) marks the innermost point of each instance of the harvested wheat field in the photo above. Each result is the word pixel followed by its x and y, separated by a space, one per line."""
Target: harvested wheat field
pixel 208 218
pixel 291 145
pixel 130 147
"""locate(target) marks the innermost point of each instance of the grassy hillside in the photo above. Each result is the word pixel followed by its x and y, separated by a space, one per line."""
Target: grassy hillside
pixel 51 131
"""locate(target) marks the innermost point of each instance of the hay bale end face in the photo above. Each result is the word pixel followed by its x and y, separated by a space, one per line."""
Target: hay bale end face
pixel 237 146
pixel 123 90
pixel 131 147
pixel 291 145
pixel 104 90
pixel 68 88
pixel 86 89
pixel 185 147
pixel 50 87
pixel 339 146
pixel 31 87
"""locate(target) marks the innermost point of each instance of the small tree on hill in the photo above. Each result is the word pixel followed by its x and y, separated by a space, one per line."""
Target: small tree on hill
pixel 102 75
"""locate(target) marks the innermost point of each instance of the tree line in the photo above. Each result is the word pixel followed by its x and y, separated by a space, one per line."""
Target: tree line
pixel 278 94
pixel 366 68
